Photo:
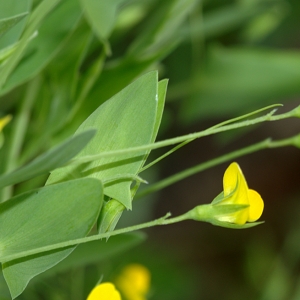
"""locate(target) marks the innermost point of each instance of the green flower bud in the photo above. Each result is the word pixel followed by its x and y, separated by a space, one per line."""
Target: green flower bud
pixel 110 214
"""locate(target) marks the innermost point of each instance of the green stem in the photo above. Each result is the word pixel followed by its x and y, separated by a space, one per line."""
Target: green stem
pixel 210 131
pixel 213 127
pixel 19 131
pixel 268 143
pixel 203 166
pixel 282 143
pixel 165 155
pixel 161 221
pixel 124 177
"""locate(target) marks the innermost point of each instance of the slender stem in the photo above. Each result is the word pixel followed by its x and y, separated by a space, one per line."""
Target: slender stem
pixel 165 220
pixel 124 177
pixel 19 131
pixel 282 143
pixel 210 131
pixel 268 143
pixel 165 155
pixel 213 127
pixel 201 167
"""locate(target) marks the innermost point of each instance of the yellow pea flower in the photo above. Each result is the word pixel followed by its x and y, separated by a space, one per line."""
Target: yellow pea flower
pixel 104 291
pixel 236 191
pixel 4 121
pixel 134 282
pixel 232 208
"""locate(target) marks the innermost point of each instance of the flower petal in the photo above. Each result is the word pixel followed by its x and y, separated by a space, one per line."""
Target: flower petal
pixel 230 178
pixel 236 189
pixel 256 205
pixel 104 291
pixel 134 282
pixel 235 183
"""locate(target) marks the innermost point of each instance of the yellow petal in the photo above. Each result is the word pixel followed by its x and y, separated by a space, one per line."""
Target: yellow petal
pixel 4 121
pixel 234 183
pixel 256 205
pixel 235 186
pixel 236 191
pixel 230 178
pixel 134 282
pixel 104 291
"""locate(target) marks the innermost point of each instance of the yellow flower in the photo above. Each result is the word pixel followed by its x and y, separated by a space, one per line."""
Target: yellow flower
pixel 104 291
pixel 4 121
pixel 236 191
pixel 134 282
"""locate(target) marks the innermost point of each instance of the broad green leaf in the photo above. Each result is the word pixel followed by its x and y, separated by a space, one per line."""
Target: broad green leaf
pixel 43 217
pixel 45 46
pixel 124 121
pixel 101 15
pixel 8 23
pixel 123 73
pixel 4 291
pixel 117 78
pixel 50 160
pixel 162 91
pixel 11 9
pixel 112 210
pixel 97 251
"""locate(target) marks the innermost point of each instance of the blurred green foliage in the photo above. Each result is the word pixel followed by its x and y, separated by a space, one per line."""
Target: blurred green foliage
pixel 59 60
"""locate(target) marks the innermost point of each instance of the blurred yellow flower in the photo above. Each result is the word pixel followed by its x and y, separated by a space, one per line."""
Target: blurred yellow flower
pixel 134 282
pixel 104 291
pixel 236 191
pixel 4 121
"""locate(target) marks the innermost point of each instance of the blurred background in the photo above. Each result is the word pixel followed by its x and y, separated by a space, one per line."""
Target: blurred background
pixel 223 58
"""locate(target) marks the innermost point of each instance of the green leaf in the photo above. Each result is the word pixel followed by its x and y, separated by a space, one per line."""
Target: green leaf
pixel 45 45
pixel 162 28
pixel 116 78
pixel 101 15
pixel 50 160
pixel 43 217
pixel 8 23
pixel 126 120
pixel 113 209
pixel 162 91
pixel 4 291
pixel 12 9
pixel 6 52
